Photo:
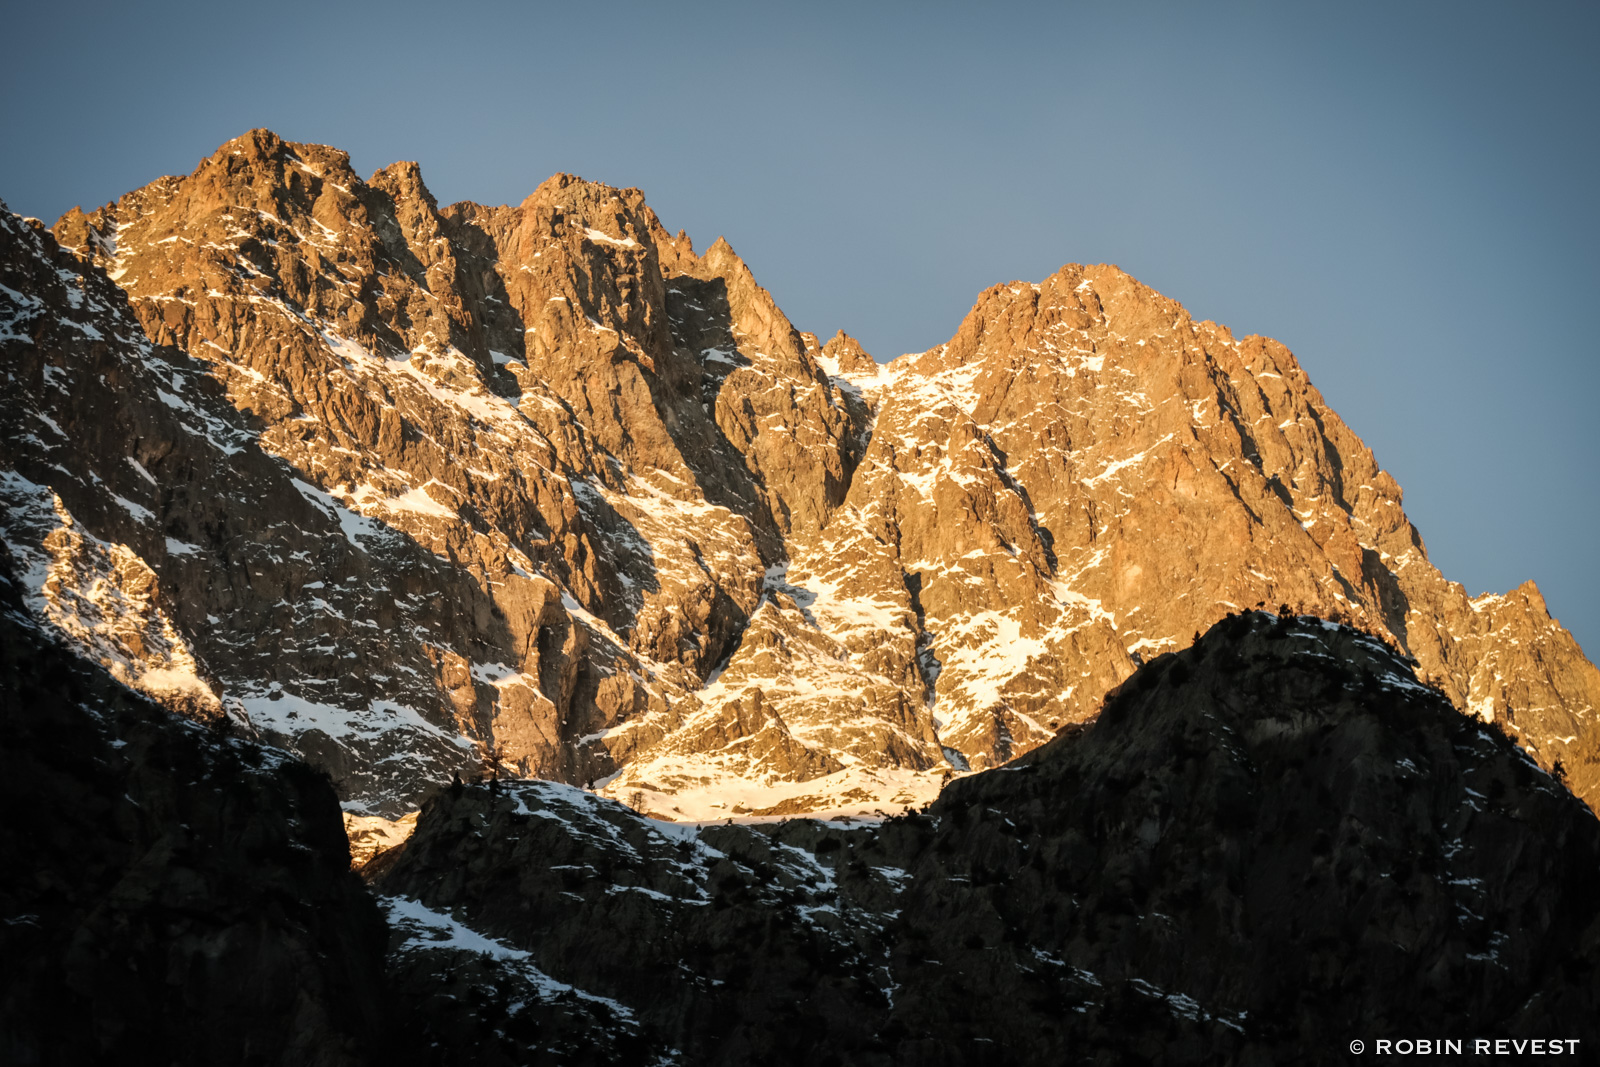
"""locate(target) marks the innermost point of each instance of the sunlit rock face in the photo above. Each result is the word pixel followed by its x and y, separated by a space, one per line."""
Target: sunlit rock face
pixel 418 490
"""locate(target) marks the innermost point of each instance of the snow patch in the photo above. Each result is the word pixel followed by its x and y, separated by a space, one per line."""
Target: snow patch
pixel 599 237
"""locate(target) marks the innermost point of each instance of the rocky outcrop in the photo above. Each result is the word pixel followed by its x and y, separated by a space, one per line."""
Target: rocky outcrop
pixel 640 532
pixel 172 893
pixel 153 534
pixel 1267 844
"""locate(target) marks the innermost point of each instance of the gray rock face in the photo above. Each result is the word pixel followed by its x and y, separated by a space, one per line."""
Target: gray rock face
pixel 171 894
pixel 1267 844
pixel 541 488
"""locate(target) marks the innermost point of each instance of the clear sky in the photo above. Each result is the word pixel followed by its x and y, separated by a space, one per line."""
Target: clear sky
pixel 1404 194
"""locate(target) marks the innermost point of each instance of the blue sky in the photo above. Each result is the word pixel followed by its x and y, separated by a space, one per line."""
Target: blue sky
pixel 1402 194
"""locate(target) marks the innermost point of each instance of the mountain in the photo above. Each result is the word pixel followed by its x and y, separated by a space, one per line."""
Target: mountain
pixel 537 501
pixel 1267 844
pixel 412 490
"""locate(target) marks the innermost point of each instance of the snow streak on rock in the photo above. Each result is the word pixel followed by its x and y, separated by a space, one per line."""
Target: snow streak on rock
pixel 100 597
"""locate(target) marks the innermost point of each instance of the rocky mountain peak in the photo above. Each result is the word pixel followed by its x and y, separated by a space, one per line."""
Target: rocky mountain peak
pixel 618 522
pixel 403 181
pixel 848 357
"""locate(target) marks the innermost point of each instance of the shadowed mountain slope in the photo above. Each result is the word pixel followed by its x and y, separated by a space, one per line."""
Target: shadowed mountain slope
pixel 171 894
pixel 1265 846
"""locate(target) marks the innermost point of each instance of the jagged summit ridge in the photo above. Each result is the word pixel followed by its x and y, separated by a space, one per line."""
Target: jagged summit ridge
pixel 715 565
